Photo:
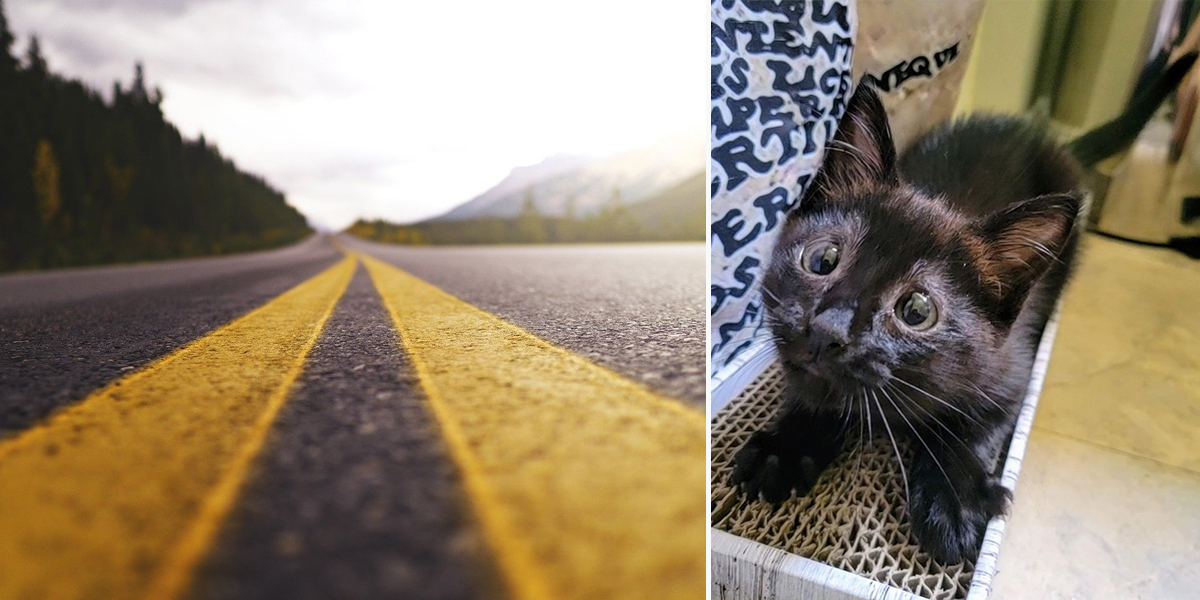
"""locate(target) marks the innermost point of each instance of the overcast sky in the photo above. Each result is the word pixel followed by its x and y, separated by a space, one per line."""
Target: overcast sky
pixel 395 109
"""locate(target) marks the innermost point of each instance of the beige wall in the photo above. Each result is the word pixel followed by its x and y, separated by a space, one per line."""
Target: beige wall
pixel 1105 49
pixel 1003 67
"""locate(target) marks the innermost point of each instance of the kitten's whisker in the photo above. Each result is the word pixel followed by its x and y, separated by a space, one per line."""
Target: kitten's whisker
pixel 896 447
pixel 857 451
pixel 974 388
pixel 932 418
pixel 770 294
pixel 754 348
pixel 985 396
pixel 908 401
pixel 921 439
pixel 845 417
pixel 759 360
pixel 765 334
pixel 761 342
pixel 870 431
pixel 943 402
pixel 861 440
pixel 865 444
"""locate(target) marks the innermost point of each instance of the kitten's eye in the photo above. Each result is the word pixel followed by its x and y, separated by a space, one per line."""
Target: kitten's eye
pixel 917 311
pixel 820 258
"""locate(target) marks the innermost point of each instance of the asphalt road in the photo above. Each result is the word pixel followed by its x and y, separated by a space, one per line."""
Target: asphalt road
pixel 354 462
pixel 355 467
pixel 639 310
pixel 65 333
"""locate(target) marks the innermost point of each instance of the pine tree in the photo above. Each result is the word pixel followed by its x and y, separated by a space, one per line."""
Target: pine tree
pixel 46 179
pixel 615 221
pixel 568 229
pixel 531 228
pixel 35 62
pixel 138 90
pixel 8 63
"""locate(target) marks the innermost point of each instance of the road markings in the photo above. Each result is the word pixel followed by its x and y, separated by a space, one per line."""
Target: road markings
pixel 586 485
pixel 121 494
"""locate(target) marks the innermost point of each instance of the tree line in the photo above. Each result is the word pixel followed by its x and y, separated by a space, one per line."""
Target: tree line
pixel 531 227
pixel 85 180
pixel 677 214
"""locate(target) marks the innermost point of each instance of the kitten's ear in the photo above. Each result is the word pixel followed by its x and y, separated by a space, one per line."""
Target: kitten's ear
pixel 1022 241
pixel 862 150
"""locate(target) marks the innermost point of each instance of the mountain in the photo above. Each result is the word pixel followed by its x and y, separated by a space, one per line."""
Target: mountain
pixel 590 184
pixel 514 186
pixel 676 214
pixel 679 212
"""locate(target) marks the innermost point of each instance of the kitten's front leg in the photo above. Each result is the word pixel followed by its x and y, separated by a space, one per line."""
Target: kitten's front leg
pixel 953 498
pixel 789 454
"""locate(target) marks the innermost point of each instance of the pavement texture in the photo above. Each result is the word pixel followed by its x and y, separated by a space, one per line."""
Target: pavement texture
pixel 638 309
pixel 318 469
pixel 568 464
pixel 67 333
pixel 354 496
pixel 120 494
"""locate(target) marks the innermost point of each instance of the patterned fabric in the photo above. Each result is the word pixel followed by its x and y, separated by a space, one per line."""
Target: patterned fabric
pixel 780 81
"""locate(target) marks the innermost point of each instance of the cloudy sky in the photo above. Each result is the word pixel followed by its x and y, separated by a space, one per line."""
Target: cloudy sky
pixel 395 109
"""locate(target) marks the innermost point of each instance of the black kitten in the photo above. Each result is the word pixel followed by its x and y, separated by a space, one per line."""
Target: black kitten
pixel 910 292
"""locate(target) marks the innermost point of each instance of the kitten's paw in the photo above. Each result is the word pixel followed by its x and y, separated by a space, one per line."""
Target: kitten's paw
pixel 952 531
pixel 771 467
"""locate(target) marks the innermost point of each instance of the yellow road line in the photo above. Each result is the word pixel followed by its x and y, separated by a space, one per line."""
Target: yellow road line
pixel 586 485
pixel 120 495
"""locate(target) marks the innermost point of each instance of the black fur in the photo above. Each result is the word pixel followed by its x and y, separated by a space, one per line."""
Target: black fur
pixel 981 216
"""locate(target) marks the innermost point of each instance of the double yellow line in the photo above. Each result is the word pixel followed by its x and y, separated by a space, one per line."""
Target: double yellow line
pixel 586 485
pixel 119 495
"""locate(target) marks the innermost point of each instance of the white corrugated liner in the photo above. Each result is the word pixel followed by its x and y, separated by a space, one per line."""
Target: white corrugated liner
pixel 861 524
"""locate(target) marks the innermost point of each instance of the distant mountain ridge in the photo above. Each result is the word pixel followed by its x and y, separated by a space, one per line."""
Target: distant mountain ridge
pixel 676 214
pixel 514 185
pixel 591 183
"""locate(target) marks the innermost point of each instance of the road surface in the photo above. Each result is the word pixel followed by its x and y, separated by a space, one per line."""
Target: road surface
pixel 637 309
pixel 256 426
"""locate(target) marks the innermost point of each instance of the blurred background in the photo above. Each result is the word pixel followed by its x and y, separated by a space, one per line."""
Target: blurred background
pixel 1079 64
pixel 1108 501
pixel 140 129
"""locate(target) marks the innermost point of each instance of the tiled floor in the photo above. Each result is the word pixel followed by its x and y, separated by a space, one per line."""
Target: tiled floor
pixel 1108 502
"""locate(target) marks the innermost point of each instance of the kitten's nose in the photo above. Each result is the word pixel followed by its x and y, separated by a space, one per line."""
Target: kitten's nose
pixel 830 330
